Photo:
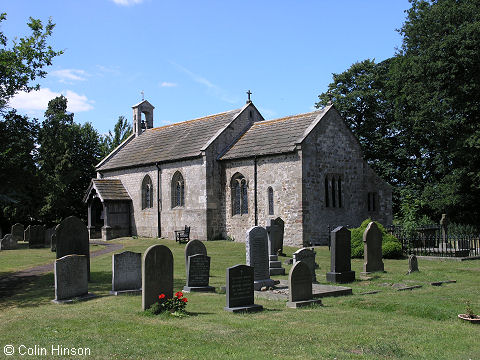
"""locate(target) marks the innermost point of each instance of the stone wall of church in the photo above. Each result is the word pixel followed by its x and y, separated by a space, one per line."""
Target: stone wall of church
pixel 331 152
pixel 283 174
pixel 143 222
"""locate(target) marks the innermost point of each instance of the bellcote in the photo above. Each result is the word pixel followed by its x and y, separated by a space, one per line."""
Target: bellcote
pixel 139 125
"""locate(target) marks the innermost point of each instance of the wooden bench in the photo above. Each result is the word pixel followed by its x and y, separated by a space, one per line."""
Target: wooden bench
pixel 183 236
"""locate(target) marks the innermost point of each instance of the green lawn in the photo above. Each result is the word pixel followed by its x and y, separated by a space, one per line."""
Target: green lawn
pixel 417 324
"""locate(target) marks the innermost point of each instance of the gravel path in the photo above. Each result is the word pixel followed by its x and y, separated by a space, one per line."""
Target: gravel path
pixel 12 281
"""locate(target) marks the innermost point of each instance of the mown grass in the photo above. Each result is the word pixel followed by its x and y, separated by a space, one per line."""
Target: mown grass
pixel 417 324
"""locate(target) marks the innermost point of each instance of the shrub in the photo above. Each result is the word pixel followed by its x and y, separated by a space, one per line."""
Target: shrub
pixel 391 246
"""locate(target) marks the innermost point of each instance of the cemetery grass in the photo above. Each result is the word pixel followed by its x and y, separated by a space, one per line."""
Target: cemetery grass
pixel 417 324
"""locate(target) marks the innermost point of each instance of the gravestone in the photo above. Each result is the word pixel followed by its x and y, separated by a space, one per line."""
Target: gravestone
pixel 240 290
pixel 275 246
pixel 71 281
pixel 412 264
pixel 36 236
pixel 18 232
pixel 308 257
pixel 157 274
pixel 126 273
pixel 48 236
pixel 372 249
pixel 340 254
pixel 300 286
pixel 53 243
pixel 257 256
pixel 198 274
pixel 71 237
pixel 26 234
pixel 8 242
pixel 194 247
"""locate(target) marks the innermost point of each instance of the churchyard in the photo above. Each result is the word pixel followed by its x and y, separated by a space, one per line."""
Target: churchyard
pixel 377 322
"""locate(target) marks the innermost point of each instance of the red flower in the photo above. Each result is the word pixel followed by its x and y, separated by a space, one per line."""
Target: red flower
pixel 184 300
pixel 179 294
pixel 161 296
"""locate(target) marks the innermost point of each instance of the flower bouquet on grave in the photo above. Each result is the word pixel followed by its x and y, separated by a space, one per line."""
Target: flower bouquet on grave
pixel 469 315
pixel 176 305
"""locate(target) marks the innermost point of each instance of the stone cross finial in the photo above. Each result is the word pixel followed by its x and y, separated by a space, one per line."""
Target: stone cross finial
pixel 249 100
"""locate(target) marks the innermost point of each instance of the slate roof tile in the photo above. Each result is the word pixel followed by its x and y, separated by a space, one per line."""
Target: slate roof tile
pixel 111 189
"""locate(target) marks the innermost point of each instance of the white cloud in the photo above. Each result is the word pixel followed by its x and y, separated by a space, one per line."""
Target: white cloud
pixel 113 70
pixel 267 113
pixel 38 100
pixel 69 74
pixel 168 84
pixel 215 90
pixel 127 2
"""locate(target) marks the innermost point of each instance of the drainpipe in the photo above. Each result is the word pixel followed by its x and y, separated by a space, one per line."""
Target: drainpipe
pixel 158 200
pixel 255 190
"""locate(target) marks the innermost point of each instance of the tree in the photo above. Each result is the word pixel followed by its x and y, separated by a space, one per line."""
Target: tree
pixel 25 60
pixel 121 131
pixel 67 156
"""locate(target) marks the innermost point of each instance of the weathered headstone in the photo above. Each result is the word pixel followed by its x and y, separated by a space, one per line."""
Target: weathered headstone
pixel 300 286
pixel 8 242
pixel 36 236
pixel 240 290
pixel 257 256
pixel 157 274
pixel 275 246
pixel 126 273
pixel 412 264
pixel 194 247
pixel 372 249
pixel 53 243
pixel 340 253
pixel 308 257
pixel 71 237
pixel 48 236
pixel 18 232
pixel 71 278
pixel 26 234
pixel 198 274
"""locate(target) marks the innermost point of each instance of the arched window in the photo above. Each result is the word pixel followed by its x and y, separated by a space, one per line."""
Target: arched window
pixel 147 193
pixel 270 201
pixel 178 190
pixel 239 194
pixel 333 190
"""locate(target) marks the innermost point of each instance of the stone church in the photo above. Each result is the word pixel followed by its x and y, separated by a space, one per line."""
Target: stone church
pixel 222 174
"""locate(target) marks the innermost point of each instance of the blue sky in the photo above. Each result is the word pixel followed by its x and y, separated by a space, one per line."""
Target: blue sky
pixel 194 58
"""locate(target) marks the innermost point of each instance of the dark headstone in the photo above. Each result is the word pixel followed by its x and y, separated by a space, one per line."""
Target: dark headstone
pixel 126 273
pixel 53 244
pixel 275 231
pixel 48 236
pixel 157 274
pixel 300 286
pixel 8 242
pixel 198 274
pixel 372 249
pixel 71 237
pixel 308 257
pixel 257 256
pixel 18 232
pixel 240 289
pixel 412 264
pixel 36 236
pixel 26 234
pixel 71 278
pixel 194 247
pixel 340 254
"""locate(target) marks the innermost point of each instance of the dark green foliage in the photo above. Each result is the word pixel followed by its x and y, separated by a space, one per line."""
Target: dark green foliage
pixel 121 131
pixel 25 60
pixel 391 246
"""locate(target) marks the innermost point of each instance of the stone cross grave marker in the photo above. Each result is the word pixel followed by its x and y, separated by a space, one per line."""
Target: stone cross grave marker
pixel 194 247
pixel 157 274
pixel 257 256
pixel 18 232
pixel 8 242
pixel 372 249
pixel 340 256
pixel 240 289
pixel 36 236
pixel 300 286
pixel 71 237
pixel 198 274
pixel 126 273
pixel 275 245
pixel 71 278
pixel 412 264
pixel 308 257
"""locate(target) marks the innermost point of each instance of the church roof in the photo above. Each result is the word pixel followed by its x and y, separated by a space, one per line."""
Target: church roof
pixel 108 189
pixel 170 142
pixel 276 136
